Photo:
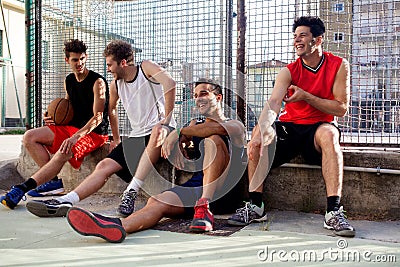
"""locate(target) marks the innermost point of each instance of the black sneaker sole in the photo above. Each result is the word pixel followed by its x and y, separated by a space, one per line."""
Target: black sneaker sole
pixel 41 210
pixel 345 233
pixel 200 229
pixel 85 223
pixel 237 223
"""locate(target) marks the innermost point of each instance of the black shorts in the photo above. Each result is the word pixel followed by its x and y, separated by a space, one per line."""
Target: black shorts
pixel 127 154
pixel 296 139
pixel 226 197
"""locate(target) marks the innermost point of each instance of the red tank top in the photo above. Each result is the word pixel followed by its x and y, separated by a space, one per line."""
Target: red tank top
pixel 318 82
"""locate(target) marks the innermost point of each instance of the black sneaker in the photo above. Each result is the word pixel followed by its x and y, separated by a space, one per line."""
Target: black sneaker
pixel 248 214
pixel 13 197
pixel 127 205
pixel 337 221
pixel 48 208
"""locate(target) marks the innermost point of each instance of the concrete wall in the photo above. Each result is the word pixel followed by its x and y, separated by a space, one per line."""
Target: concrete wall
pixel 367 195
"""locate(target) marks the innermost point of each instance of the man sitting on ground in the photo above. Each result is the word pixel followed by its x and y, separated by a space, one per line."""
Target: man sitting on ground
pixel 219 139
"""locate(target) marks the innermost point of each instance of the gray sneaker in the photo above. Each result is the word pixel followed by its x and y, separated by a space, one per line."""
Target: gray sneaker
pixel 48 208
pixel 127 205
pixel 248 214
pixel 337 221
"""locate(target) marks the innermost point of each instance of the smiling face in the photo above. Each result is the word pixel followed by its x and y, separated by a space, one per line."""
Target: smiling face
pixel 206 100
pixel 114 68
pixel 77 62
pixel 304 42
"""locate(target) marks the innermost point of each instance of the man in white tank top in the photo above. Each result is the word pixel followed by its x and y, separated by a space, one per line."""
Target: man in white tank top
pixel 147 93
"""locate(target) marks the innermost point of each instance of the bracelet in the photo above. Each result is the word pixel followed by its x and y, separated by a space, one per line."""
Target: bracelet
pixel 178 130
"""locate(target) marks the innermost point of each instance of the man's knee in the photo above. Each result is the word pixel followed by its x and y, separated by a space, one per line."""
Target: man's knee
pixel 41 135
pixel 104 164
pixel 29 137
pixel 327 135
pixel 158 203
pixel 156 133
pixel 164 201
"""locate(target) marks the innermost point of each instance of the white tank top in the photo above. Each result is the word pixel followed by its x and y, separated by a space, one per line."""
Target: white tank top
pixel 139 103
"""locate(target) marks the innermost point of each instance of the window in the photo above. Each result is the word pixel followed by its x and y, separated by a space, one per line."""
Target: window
pixel 338 37
pixel 338 7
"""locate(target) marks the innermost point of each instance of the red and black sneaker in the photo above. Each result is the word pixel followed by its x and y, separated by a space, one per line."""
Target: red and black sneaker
pixel 91 224
pixel 203 219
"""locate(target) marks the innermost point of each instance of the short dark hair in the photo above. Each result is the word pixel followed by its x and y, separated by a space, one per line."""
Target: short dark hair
pixel 217 87
pixel 119 50
pixel 74 46
pixel 317 27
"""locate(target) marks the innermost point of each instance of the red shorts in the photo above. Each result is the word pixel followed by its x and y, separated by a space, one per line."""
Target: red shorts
pixel 81 149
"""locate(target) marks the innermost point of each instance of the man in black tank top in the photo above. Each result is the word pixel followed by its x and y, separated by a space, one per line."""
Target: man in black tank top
pixel 136 84
pixel 89 94
pixel 222 147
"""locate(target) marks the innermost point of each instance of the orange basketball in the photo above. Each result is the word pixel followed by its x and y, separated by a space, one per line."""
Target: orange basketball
pixel 60 110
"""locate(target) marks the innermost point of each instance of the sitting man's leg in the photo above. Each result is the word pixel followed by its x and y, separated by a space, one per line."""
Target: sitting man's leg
pixel 327 143
pixel 58 207
pixel 166 204
pixel 148 158
pixel 34 141
pixel 257 170
pixel 44 174
pixel 215 164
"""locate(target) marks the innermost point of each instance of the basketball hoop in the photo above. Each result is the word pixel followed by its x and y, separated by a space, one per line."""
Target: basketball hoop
pixel 99 8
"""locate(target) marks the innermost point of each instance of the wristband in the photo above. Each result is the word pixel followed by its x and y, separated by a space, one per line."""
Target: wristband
pixel 178 130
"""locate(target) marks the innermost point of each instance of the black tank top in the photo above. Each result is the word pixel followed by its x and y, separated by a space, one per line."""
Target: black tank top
pixel 82 98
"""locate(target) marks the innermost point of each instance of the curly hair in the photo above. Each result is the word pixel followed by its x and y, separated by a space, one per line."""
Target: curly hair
pixel 74 46
pixel 119 50
pixel 316 25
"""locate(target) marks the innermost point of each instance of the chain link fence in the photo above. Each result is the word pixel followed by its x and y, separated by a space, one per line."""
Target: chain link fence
pixel 194 39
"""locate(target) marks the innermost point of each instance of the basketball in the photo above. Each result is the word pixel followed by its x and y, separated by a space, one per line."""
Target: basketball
pixel 60 110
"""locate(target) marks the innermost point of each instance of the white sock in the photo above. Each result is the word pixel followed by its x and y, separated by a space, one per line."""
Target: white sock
pixel 71 197
pixel 135 184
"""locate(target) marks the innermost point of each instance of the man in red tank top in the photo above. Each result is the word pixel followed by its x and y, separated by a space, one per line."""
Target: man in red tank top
pixel 315 89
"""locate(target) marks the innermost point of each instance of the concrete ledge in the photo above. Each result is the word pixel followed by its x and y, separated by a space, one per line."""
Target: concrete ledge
pixel 154 184
pixel 72 177
pixel 365 194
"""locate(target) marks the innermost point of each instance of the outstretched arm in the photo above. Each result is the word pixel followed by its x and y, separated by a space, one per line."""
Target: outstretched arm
pixel 263 133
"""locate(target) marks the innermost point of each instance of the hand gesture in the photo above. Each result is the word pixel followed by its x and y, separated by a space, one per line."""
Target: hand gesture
pixel 113 144
pixel 47 120
pixel 67 144
pixel 294 94
pixel 169 143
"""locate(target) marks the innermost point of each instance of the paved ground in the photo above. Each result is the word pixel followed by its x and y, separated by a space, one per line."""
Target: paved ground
pixel 289 238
